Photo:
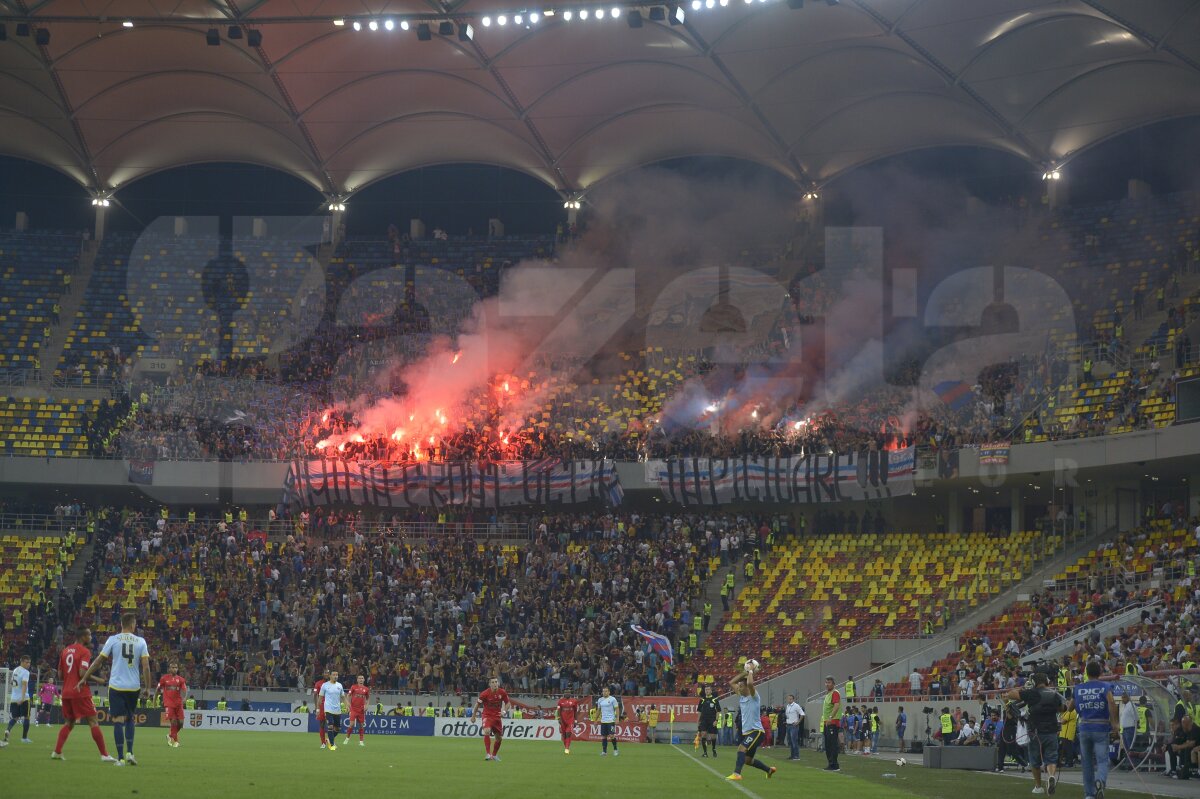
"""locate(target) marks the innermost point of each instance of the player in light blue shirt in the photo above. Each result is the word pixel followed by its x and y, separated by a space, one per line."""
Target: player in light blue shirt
pixel 18 705
pixel 610 712
pixel 331 699
pixel 128 679
pixel 750 706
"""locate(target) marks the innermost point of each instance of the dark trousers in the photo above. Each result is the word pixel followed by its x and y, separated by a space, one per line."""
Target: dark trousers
pixel 831 744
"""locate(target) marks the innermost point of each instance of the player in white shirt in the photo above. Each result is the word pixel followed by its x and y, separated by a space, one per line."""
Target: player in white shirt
pixel 18 702
pixel 331 699
pixel 610 713
pixel 126 682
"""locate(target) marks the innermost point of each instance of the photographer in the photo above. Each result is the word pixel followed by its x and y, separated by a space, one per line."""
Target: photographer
pixel 1044 706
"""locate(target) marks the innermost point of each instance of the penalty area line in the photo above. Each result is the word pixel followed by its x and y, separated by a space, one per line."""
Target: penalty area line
pixel 717 774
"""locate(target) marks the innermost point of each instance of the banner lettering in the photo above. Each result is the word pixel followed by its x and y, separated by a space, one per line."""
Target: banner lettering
pixel 520 729
pixel 811 479
pixel 435 485
pixel 384 725
pixel 242 720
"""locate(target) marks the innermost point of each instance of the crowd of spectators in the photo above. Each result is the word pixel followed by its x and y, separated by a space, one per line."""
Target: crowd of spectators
pixel 1166 636
pixel 415 612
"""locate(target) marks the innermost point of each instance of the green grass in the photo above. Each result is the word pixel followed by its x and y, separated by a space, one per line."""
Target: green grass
pixel 291 766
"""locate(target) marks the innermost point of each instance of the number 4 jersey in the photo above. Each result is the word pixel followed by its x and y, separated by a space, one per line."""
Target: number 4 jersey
pixel 126 651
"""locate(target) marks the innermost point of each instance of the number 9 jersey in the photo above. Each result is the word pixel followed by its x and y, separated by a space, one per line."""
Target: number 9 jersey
pixel 126 651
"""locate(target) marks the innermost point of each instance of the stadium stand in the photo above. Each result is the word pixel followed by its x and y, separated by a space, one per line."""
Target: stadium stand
pixel 1107 578
pixel 816 595
pixel 35 270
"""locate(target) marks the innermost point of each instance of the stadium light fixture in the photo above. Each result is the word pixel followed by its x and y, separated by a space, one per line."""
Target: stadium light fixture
pixel 337 206
pixel 446 28
pixel 22 28
pixel 534 17
pixel 615 12
pixel 599 14
pixel 466 33
pixel 487 22
pixel 389 24
pixel 357 25
pixel 213 37
pixel 403 24
pixel 339 23
pixel 709 3
pixel 127 23
pixel 795 5
pixel 549 12
pixel 567 16
pixel 518 19
pixel 634 20
pixel 423 32
pixel 583 13
pixel 658 14
pixel 235 32
pixel 502 20
pixel 42 37
pixel 678 15
pixel 373 25
pixel 695 5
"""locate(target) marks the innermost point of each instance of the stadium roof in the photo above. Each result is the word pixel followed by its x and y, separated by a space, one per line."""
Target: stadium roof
pixel 811 92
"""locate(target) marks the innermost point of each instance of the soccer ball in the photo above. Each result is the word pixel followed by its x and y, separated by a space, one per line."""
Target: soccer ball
pixel 751 665
pixel 901 761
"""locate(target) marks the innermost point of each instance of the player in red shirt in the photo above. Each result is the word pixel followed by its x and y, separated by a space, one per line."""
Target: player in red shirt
pixel 358 709
pixel 565 711
pixel 173 688
pixel 77 702
pixel 319 705
pixel 495 701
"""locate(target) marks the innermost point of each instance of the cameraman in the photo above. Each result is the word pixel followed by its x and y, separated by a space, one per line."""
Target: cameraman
pixel 1044 706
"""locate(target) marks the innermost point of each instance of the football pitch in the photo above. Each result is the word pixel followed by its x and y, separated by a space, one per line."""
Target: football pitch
pixel 291 766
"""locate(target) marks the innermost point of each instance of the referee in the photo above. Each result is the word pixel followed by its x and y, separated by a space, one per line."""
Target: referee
pixel 126 682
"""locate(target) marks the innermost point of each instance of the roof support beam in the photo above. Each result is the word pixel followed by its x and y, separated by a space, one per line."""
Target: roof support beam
pixel 519 109
pixel 892 28
pixel 64 101
pixel 314 153
pixel 735 86
pixel 1144 35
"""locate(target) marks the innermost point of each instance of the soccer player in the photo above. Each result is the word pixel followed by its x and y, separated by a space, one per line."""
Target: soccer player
pixel 319 706
pixel 173 688
pixel 752 729
pixel 76 701
pixel 708 709
pixel 610 711
pixel 126 650
pixel 565 711
pixel 18 704
pixel 495 701
pixel 359 693
pixel 331 699
pixel 46 696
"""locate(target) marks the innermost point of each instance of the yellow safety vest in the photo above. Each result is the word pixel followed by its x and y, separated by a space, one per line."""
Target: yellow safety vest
pixel 849 689
pixel 1142 725
pixel 947 724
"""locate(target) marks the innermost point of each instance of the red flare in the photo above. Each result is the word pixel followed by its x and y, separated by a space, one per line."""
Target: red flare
pixel 457 355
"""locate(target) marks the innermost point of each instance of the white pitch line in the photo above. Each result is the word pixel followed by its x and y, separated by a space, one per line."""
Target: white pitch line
pixel 717 774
